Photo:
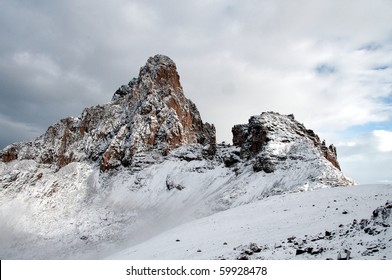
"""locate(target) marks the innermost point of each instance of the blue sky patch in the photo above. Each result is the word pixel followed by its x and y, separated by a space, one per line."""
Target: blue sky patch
pixel 372 46
pixel 387 99
pixel 367 128
pixel 381 67
pixel 325 69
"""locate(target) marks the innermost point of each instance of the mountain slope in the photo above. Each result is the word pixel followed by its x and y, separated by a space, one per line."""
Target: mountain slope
pixel 125 171
pixel 315 225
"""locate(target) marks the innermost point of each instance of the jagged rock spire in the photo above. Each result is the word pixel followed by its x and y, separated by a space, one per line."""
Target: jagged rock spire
pixel 151 113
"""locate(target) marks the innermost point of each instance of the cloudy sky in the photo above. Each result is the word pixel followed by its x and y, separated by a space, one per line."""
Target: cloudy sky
pixel 327 62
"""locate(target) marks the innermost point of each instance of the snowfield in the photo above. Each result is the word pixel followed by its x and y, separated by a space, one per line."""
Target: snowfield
pixel 281 227
pixel 184 207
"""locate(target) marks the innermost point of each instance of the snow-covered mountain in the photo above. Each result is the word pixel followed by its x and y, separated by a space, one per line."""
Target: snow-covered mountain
pixel 146 164
pixel 150 113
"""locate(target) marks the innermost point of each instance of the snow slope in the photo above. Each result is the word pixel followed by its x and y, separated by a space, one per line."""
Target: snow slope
pixel 282 227
pixel 80 212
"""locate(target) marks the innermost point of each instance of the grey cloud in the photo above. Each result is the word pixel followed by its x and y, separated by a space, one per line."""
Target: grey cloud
pixel 13 131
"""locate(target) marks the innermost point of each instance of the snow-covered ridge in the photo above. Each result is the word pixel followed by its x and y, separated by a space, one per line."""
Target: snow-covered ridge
pixel 144 163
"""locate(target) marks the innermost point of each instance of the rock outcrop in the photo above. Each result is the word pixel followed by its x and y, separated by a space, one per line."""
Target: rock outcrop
pixel 270 138
pixel 150 113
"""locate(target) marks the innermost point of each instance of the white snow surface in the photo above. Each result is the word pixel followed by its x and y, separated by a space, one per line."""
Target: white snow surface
pixel 79 213
pixel 272 222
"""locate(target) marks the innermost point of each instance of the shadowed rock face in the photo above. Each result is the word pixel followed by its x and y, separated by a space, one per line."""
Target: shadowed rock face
pixel 9 155
pixel 150 113
pixel 274 130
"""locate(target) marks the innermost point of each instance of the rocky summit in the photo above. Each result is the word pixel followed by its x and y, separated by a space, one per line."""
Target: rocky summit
pixel 270 132
pixel 144 163
pixel 150 113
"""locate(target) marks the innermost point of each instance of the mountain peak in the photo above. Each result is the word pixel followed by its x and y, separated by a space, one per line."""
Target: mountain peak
pixel 161 70
pixel 160 60
pixel 150 113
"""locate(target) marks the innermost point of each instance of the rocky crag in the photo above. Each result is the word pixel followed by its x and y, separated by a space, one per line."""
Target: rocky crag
pixel 270 136
pixel 150 113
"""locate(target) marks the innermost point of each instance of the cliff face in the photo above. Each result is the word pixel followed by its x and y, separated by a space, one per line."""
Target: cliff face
pixel 150 113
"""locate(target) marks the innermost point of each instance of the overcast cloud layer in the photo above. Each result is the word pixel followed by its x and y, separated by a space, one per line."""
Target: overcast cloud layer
pixel 327 62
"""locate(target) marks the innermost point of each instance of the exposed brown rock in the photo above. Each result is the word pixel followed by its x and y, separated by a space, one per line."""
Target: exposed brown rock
pixel 330 154
pixel 9 155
